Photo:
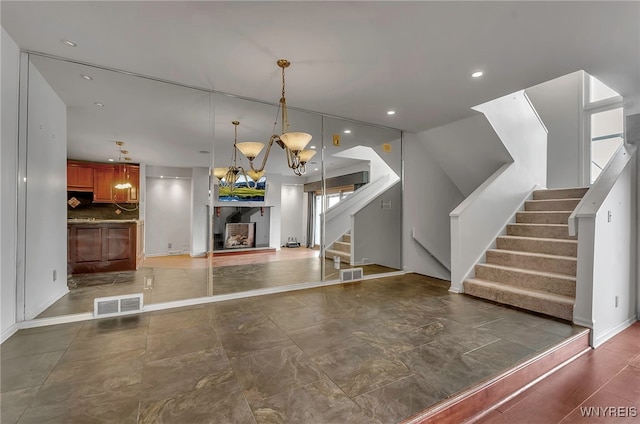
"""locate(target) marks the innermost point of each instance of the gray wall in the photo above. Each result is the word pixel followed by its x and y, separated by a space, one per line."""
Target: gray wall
pixel 559 104
pixel 468 151
pixel 429 196
pixel 376 234
pixel 8 183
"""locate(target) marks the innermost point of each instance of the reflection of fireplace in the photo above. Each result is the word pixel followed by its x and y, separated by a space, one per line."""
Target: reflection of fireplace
pixel 239 235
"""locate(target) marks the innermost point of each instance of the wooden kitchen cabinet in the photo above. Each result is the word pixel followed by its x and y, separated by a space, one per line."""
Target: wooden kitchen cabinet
pixel 104 179
pixel 104 246
pixel 103 184
pixel 79 176
pixel 134 178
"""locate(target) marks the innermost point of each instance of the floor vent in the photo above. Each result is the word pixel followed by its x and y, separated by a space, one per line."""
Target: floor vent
pixel 351 274
pixel 175 252
pixel 117 305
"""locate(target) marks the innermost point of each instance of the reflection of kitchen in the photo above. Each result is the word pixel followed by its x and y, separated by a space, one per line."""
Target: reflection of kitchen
pixel 105 232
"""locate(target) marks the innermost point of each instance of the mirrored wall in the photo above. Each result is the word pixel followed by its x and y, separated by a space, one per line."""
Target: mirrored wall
pixel 175 230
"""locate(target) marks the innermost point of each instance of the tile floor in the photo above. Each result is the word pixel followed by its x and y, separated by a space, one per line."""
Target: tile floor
pixel 372 352
pixel 606 377
pixel 179 278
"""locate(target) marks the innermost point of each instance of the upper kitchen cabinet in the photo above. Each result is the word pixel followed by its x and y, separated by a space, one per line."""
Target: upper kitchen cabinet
pixel 79 176
pixel 104 180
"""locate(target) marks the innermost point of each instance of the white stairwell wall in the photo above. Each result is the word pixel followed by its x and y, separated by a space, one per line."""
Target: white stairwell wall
pixel 605 222
pixel 481 217
pixel 382 177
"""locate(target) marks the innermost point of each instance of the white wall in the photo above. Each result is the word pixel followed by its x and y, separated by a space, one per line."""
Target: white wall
pixel 199 211
pixel 429 196
pixel 468 151
pixel 614 259
pixel 273 198
pixel 377 231
pixel 559 104
pixel 8 183
pixel 482 216
pixel 632 133
pixel 606 224
pixel 46 194
pixel 292 213
pixel 168 215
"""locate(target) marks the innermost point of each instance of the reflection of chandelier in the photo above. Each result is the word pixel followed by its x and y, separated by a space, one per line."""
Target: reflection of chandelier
pixel 230 175
pixel 122 177
pixel 292 142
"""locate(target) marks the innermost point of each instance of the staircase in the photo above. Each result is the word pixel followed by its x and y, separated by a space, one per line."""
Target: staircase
pixel 341 248
pixel 533 267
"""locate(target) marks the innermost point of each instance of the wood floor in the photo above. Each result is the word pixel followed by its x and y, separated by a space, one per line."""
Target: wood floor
pixel 602 386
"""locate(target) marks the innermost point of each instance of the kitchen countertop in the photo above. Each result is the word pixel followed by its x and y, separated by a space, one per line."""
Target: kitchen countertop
pixel 101 221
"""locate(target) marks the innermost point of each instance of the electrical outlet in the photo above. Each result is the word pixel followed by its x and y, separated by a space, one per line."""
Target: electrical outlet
pixel 148 282
pixel 169 245
pixel 617 301
pixel 55 274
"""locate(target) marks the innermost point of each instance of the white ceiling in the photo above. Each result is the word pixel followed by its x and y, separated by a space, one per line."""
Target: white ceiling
pixel 350 59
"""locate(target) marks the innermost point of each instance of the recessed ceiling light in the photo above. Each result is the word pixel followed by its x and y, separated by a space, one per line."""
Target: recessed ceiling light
pixel 347 131
pixel 110 160
pixel 69 43
pixel 161 176
pixel 99 104
pixel 391 112
pixel 87 77
pixel 477 74
pixel 313 147
pixel 204 152
pixel 315 169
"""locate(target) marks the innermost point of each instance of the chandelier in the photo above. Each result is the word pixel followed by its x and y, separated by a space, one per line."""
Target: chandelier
pixel 229 175
pixel 122 177
pixel 293 143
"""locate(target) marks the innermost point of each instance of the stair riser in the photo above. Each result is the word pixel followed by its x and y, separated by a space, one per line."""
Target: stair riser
pixel 561 286
pixel 566 266
pixel 346 238
pixel 559 310
pixel 342 247
pixel 555 247
pixel 551 205
pixel 575 193
pixel 344 257
pixel 543 218
pixel 540 231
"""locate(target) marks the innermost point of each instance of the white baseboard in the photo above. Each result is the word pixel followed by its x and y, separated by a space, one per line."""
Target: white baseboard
pixel 598 340
pixel 8 332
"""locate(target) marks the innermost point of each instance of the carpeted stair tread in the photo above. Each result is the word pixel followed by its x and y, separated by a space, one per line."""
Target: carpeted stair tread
pixel 344 257
pixel 543 217
pixel 562 284
pixel 560 193
pixel 531 271
pixel 549 246
pixel 551 204
pixel 536 261
pixel 560 231
pixel 547 303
